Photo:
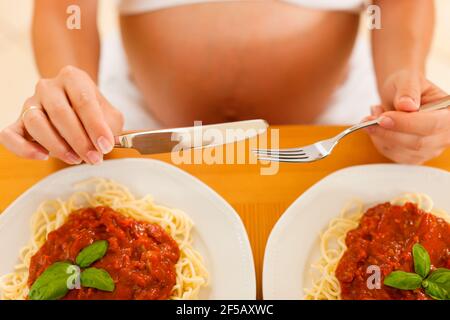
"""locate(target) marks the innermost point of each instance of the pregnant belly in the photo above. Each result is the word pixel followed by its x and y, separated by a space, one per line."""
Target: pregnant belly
pixel 231 61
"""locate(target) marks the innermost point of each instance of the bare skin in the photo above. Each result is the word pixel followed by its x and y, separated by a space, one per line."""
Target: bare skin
pixel 227 61
pixel 283 66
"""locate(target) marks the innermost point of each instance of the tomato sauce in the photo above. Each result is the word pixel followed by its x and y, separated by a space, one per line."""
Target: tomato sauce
pixel 141 256
pixel 384 238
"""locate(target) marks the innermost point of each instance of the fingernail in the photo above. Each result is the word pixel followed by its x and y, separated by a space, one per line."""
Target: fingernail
pixel 72 158
pixel 408 101
pixel 94 157
pixel 104 145
pixel 386 122
pixel 41 156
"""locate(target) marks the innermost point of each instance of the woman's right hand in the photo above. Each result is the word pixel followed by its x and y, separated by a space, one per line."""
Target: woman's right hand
pixel 66 118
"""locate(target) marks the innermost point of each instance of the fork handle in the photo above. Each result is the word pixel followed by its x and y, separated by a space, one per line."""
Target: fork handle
pixel 436 105
pixel 358 126
pixel 432 106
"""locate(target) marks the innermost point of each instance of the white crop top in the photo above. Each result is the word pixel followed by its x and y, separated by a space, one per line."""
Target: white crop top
pixel 129 7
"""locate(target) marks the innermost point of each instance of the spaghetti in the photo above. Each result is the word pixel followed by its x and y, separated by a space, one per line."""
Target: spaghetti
pixel 325 284
pixel 191 274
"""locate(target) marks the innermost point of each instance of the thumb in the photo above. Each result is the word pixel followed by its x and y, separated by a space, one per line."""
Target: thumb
pixel 407 95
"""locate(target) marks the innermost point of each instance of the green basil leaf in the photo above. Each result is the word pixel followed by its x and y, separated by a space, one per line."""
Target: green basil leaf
pixel 435 291
pixel 92 253
pixel 437 285
pixel 52 283
pixel 403 280
pixel 98 279
pixel 422 260
pixel 441 276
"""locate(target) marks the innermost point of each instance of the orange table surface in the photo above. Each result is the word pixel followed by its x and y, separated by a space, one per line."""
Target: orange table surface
pixel 259 199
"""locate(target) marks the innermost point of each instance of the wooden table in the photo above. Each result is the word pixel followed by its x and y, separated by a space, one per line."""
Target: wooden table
pixel 259 200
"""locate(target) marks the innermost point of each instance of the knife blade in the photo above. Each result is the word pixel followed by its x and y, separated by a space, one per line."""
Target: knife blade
pixel 196 137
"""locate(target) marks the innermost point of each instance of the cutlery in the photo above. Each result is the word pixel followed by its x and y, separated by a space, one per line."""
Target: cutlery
pixel 197 137
pixel 322 149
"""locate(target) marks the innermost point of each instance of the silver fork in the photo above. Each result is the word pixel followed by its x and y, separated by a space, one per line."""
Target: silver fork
pixel 322 149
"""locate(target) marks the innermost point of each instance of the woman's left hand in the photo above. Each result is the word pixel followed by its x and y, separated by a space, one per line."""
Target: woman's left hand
pixel 405 135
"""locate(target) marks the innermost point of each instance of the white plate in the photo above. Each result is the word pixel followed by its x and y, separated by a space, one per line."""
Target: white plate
pixel 219 233
pixel 294 242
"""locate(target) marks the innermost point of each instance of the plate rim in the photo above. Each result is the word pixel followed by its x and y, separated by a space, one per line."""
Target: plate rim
pixel 286 215
pixel 246 255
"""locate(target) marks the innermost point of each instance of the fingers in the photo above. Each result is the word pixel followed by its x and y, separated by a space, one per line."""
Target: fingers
pixel 13 139
pixel 418 123
pixel 39 127
pixel 66 122
pixel 400 154
pixel 409 141
pixel 71 120
pixel 403 135
pixel 407 91
pixel 408 148
pixel 83 97
pixel 432 93
pixel 399 139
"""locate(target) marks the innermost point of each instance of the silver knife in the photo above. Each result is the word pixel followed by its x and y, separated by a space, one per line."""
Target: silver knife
pixel 197 137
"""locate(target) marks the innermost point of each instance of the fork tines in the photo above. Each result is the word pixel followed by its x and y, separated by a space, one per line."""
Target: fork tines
pixel 282 155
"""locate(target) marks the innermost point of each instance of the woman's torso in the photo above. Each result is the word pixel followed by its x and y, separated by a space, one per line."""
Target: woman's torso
pixel 237 60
